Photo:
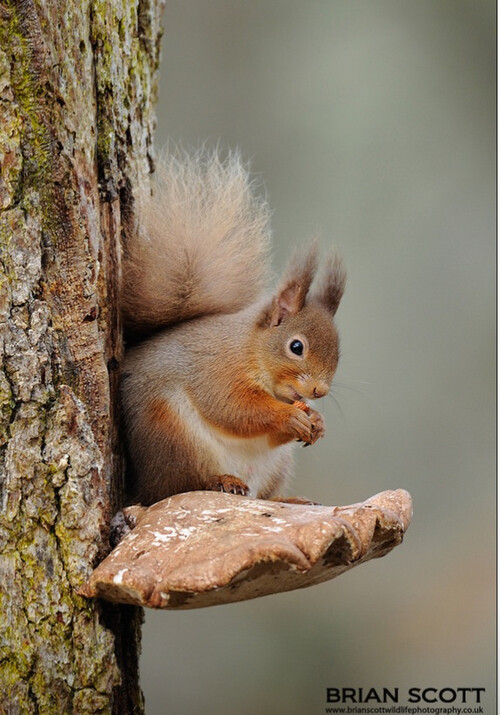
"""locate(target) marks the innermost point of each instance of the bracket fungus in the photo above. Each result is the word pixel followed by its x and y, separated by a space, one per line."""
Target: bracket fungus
pixel 207 548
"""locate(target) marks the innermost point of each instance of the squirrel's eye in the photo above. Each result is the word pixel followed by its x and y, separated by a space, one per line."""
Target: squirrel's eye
pixel 297 347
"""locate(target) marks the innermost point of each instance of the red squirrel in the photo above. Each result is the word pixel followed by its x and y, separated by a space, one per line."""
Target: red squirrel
pixel 214 388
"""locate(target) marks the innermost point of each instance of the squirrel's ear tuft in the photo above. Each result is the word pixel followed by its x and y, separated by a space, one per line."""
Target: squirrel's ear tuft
pixel 332 285
pixel 295 284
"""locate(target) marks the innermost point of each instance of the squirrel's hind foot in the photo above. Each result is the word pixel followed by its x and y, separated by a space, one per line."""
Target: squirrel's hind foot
pixel 227 483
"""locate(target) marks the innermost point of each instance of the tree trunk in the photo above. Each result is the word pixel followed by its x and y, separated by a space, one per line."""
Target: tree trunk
pixel 77 89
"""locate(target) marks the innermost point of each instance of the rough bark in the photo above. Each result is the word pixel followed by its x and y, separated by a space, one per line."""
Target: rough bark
pixel 77 88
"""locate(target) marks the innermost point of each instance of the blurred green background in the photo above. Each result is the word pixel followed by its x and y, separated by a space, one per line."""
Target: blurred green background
pixel 372 123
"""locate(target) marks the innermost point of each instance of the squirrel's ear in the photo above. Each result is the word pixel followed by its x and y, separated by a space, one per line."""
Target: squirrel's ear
pixel 332 285
pixel 291 296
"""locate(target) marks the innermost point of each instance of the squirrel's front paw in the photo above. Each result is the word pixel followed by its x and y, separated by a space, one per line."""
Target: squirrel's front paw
pixel 299 426
pixel 318 426
pixel 306 425
pixel 227 483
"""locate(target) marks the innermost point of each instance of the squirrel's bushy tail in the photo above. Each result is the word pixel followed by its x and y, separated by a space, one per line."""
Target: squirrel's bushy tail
pixel 200 244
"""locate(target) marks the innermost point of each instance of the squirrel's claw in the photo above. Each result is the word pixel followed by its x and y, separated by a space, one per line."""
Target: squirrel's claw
pixel 229 484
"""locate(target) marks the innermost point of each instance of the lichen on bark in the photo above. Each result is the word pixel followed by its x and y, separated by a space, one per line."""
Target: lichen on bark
pixel 77 84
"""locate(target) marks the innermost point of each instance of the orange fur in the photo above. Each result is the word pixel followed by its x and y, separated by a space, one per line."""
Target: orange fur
pixel 217 396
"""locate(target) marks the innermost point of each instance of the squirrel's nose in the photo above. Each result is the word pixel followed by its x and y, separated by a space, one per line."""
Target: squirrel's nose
pixel 320 390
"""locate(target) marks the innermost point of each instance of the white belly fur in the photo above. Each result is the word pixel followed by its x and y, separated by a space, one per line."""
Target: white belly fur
pixel 250 459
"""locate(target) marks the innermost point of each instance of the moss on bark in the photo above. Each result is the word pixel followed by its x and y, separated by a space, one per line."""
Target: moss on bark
pixel 77 84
